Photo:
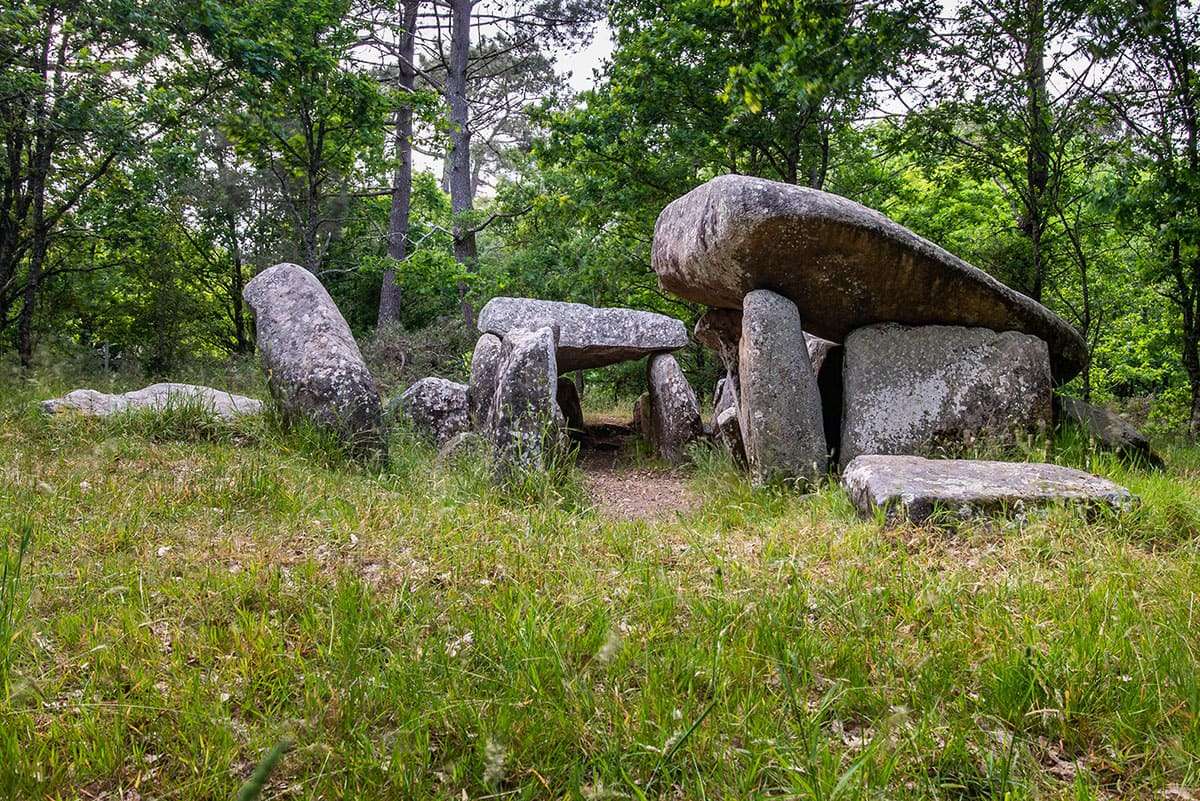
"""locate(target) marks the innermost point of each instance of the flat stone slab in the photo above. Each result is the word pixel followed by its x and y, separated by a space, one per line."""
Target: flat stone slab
pixel 155 397
pixel 912 488
pixel 588 336
pixel 844 265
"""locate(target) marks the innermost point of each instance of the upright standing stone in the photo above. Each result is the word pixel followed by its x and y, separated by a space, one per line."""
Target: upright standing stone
pixel 780 410
pixel 485 364
pixel 314 368
pixel 524 414
pixel 720 330
pixel 912 390
pixel 726 425
pixel 827 358
pixel 674 413
pixel 569 404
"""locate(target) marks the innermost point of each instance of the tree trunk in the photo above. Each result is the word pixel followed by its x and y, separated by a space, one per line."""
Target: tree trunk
pixel 461 203
pixel 389 292
pixel 1037 147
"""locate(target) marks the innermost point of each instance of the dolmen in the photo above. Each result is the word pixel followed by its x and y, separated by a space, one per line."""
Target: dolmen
pixel 155 398
pixel 846 336
pixel 519 401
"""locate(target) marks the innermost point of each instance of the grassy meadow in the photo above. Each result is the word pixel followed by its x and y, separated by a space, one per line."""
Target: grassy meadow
pixel 192 594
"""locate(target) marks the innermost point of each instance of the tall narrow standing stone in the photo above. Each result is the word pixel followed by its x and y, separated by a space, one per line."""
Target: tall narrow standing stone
pixel 314 368
pixel 780 405
pixel 524 415
pixel 485 363
pixel 674 413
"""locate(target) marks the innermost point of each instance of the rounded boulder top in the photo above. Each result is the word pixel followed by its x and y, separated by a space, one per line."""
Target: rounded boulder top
pixel 844 265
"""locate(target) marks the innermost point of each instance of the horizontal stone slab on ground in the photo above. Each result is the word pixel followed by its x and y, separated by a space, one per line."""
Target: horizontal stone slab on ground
pixel 156 397
pixel 844 265
pixel 913 488
pixel 589 337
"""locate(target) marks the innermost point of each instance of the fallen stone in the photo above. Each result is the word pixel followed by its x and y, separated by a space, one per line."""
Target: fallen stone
pixel 567 396
pixel 524 416
pixel 156 397
pixel 590 337
pixel 437 408
pixel 314 368
pixel 485 364
pixel 779 404
pixel 1108 430
pixel 912 390
pixel 844 265
pixel 672 413
pixel 913 488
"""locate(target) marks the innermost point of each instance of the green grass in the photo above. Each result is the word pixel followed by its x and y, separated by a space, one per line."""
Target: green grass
pixel 194 594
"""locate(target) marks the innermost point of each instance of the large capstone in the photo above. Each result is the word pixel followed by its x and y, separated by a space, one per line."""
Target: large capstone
pixel 155 398
pixel 485 364
pixel 314 368
pixel 780 406
pixel 436 407
pixel 671 415
pixel 913 390
pixel 912 488
pixel 1108 430
pixel 845 266
pixel 589 337
pixel 524 417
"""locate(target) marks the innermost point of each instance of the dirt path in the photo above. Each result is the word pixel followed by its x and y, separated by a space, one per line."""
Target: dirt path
pixel 623 492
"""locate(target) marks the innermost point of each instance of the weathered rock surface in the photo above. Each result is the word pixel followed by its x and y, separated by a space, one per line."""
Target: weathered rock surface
pixel 524 414
pixel 910 390
pixel 590 337
pixel 844 265
pixel 726 425
pixel 314 368
pixel 485 364
pixel 155 397
pixel 720 330
pixel 567 396
pixel 780 406
pixel 641 417
pixel 1108 430
pixel 827 359
pixel 910 487
pixel 437 408
pixel 672 413
pixel 462 445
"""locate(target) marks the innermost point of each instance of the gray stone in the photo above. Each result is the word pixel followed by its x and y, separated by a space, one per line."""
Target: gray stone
pixel 780 405
pixel 672 414
pixel 720 330
pixel 641 417
pixel 726 426
pixel 465 444
pixel 314 368
pixel 485 364
pixel 912 390
pixel 590 337
pixel 523 420
pixel 844 265
pixel 827 359
pixel 156 397
pixel 567 396
pixel 1108 430
pixel 437 408
pixel 912 488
